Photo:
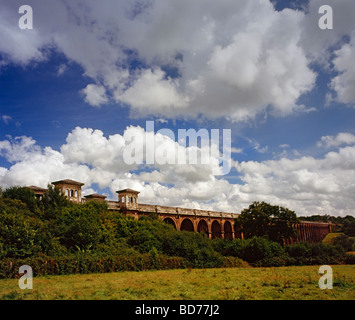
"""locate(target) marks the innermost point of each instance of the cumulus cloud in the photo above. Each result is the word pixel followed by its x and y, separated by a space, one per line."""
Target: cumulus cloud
pixel 343 138
pixel 134 149
pixel 307 185
pixel 151 93
pixel 95 95
pixel 230 59
pixel 89 156
pixel 16 46
pixel 344 83
pixel 18 149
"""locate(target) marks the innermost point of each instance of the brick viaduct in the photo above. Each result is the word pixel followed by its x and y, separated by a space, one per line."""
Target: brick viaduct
pixel 215 224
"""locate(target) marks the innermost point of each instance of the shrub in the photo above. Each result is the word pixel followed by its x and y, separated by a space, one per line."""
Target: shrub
pixel 233 262
pixel 80 227
pixel 345 242
pixel 85 263
pixel 143 241
pixel 300 249
pixel 24 194
pixel 273 262
pixel 194 247
pixel 259 248
pixel 18 230
pixel 314 253
pixel 349 258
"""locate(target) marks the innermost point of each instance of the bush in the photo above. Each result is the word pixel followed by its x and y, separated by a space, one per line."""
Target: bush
pixel 85 263
pixel 194 247
pixel 260 248
pixel 301 249
pixel 345 242
pixel 349 258
pixel 143 241
pixel 79 227
pixel 273 262
pixel 24 194
pixel 314 253
pixel 232 262
pixel 19 231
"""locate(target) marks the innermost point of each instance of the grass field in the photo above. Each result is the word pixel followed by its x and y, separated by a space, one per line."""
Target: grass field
pixel 222 284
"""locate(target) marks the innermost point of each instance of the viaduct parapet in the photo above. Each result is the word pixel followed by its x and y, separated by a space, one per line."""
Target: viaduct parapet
pixel 214 223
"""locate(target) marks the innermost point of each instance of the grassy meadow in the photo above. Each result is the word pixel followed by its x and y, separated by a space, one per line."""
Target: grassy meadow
pixel 295 283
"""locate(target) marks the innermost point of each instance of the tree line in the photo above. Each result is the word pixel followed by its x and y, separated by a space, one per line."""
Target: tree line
pixel 56 236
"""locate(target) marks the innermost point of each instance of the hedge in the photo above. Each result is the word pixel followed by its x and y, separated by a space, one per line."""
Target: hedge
pixel 80 264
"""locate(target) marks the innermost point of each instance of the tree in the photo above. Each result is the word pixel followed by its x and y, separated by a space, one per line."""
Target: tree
pixel 265 220
pixel 53 201
pixel 349 226
pixel 24 194
pixel 79 226
pixel 18 230
pixel 344 241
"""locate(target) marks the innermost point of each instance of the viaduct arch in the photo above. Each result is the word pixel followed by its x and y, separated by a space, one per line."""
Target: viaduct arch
pixel 212 227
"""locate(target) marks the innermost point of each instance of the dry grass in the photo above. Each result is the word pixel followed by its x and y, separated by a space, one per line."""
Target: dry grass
pixel 205 284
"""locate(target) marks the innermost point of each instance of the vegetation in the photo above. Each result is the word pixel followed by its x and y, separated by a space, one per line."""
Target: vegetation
pixel 294 283
pixel 273 222
pixel 56 236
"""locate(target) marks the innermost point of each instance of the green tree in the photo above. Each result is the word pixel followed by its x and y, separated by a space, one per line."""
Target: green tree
pixel 24 194
pixel 345 242
pixel 259 248
pixel 264 220
pixel 349 226
pixel 79 226
pixel 53 201
pixel 143 241
pixel 18 230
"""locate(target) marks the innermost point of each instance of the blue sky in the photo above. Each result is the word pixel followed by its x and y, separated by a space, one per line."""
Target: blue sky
pixel 73 85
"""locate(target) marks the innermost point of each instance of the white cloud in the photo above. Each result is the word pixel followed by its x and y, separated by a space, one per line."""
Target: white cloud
pixel 319 46
pixel 6 119
pixel 344 82
pixel 317 42
pixel 307 185
pixel 95 95
pixel 151 93
pixel 231 59
pixel 236 150
pixel 18 149
pixel 257 147
pixel 62 68
pixel 19 46
pixel 343 138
